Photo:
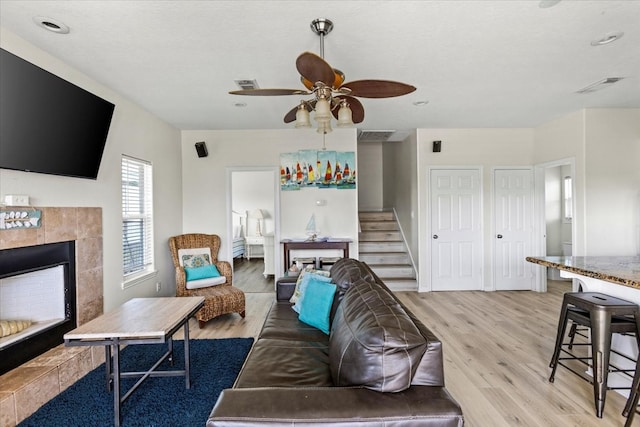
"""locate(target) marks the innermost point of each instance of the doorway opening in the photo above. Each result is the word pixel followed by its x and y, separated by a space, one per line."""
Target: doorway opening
pixel 253 227
pixel 555 188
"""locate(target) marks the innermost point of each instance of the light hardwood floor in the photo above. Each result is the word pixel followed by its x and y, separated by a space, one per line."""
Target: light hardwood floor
pixel 497 347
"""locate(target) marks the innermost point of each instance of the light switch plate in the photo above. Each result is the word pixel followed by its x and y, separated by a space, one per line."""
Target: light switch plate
pixel 16 200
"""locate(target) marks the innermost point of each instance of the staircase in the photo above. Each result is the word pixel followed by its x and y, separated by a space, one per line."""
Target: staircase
pixel 381 246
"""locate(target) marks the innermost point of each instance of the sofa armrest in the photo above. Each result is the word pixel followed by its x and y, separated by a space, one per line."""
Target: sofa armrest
pixel 341 406
pixel 285 286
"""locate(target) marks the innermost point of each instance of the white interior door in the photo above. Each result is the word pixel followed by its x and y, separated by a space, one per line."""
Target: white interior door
pixel 456 230
pixel 513 190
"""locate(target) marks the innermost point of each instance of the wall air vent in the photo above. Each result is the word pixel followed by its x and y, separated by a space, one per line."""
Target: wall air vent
pixel 247 84
pixel 600 84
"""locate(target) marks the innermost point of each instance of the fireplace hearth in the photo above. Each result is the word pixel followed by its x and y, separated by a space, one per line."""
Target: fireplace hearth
pixel 28 386
pixel 38 284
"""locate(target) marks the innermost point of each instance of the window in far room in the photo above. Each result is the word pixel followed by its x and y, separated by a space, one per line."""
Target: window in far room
pixel 567 197
pixel 137 221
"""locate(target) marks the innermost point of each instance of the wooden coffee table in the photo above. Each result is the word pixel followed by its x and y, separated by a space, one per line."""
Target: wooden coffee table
pixel 138 321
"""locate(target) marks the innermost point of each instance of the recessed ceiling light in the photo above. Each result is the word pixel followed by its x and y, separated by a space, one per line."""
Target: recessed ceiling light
pixel 51 24
pixel 547 3
pixel 601 84
pixel 420 103
pixel 609 38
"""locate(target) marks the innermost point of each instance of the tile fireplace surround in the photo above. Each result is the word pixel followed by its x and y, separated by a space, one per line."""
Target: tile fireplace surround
pixel 24 389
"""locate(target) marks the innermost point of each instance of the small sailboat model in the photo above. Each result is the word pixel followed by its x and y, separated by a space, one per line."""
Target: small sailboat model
pixel 311 229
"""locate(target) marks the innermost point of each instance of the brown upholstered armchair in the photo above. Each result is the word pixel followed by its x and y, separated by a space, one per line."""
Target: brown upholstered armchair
pixel 219 299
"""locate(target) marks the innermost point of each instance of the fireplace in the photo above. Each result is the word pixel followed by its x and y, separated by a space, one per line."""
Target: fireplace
pixel 37 298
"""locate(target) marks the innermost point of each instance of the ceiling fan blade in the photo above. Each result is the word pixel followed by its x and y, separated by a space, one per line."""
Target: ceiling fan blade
pixel 291 115
pixel 378 88
pixel 315 69
pixel 357 109
pixel 269 92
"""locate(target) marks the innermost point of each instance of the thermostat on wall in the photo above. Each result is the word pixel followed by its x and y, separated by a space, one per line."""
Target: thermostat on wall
pixel 16 200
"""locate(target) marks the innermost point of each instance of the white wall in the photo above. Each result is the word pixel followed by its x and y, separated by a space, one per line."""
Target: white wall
pixel 560 139
pixel 134 132
pixel 370 183
pixel 605 144
pixel 204 187
pixel 612 188
pixel 400 167
pixel 484 148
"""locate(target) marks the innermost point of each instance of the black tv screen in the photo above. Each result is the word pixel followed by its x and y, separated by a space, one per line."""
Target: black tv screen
pixel 47 124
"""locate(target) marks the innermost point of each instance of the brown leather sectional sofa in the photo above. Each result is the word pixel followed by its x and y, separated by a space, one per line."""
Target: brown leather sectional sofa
pixel 380 366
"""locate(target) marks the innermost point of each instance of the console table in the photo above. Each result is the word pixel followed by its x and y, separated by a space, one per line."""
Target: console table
pixel 289 245
pixel 138 321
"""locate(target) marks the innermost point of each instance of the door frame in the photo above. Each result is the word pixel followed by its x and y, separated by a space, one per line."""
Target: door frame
pixel 540 220
pixel 276 212
pixel 425 283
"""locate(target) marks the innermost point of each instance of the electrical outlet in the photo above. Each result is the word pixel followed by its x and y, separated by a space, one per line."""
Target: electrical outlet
pixel 158 286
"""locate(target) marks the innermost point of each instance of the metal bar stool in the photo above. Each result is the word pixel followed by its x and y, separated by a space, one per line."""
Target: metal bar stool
pixel 604 315
pixel 632 402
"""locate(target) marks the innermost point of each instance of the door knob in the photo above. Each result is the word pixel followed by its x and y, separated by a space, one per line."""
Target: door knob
pixel 499 236
pixel 435 236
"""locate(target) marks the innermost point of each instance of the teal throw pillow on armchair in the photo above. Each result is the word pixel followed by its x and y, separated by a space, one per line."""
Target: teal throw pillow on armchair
pixel 204 272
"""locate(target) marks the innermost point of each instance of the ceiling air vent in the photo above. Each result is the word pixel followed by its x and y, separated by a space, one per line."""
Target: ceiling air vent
pixel 247 84
pixel 375 135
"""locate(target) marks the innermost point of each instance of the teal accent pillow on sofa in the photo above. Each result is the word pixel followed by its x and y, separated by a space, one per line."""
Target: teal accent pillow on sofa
pixel 303 287
pixel 316 304
pixel 204 272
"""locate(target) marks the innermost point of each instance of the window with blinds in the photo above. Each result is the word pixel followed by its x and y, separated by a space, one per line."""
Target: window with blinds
pixel 137 218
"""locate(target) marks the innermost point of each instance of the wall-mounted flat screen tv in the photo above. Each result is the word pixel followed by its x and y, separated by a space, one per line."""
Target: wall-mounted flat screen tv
pixel 47 124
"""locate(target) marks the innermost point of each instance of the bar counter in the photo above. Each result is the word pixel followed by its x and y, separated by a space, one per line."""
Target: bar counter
pixel 619 270
pixel 618 276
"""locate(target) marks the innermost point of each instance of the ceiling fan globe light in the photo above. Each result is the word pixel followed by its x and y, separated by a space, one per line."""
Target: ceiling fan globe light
pixel 324 127
pixel 323 110
pixel 345 117
pixel 302 118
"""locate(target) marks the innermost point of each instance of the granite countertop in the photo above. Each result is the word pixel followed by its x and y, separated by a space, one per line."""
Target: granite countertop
pixel 623 270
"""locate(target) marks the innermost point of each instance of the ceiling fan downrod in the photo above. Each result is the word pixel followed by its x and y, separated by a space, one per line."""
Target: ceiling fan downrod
pixel 322 27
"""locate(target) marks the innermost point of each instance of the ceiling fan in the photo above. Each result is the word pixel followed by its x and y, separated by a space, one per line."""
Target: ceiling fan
pixel 331 94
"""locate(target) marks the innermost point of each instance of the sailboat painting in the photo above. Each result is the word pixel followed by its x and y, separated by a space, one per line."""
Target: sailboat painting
pixel 345 174
pixel 289 165
pixel 320 169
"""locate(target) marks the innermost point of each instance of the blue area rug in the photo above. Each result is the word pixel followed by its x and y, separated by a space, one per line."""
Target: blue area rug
pixel 160 401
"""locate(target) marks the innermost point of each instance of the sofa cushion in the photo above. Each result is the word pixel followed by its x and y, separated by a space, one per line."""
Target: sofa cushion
pixel 373 342
pixel 285 363
pixel 343 273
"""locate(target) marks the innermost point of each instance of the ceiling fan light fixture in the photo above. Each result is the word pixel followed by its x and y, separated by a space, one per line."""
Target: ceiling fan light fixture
pixel 323 110
pixel 324 127
pixel 345 115
pixel 302 117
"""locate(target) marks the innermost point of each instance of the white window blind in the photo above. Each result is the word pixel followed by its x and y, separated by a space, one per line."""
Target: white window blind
pixel 137 218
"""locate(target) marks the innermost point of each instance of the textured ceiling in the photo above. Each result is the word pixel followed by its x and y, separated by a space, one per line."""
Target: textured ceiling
pixel 478 63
